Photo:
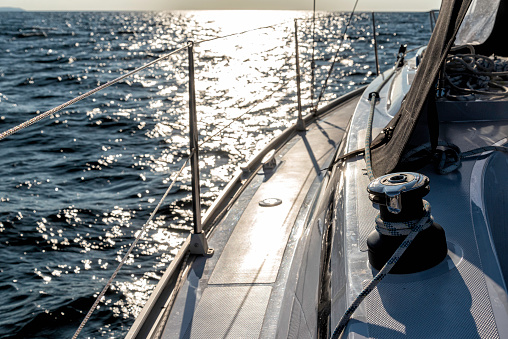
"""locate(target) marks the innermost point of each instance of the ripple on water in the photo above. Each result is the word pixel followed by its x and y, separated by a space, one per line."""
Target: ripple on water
pixel 78 187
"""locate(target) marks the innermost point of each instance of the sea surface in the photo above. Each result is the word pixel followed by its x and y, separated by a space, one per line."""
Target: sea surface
pixel 76 187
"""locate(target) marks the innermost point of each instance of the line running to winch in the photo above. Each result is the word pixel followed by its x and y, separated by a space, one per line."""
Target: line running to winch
pixel 415 228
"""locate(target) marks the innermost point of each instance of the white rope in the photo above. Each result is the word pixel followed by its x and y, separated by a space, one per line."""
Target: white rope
pixel 396 229
pixel 41 116
pixel 126 256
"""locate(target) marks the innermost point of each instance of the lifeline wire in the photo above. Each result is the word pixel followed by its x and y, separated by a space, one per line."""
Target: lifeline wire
pixel 124 259
pixel 126 256
pixel 424 222
pixel 44 115
pixel 313 63
pixel 243 32
pixel 336 55
pixel 241 115
pixel 41 116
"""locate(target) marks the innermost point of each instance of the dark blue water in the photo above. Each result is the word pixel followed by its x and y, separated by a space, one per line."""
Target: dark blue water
pixel 76 187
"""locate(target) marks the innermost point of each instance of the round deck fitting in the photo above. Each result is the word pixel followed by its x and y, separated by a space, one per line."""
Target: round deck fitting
pixel 269 202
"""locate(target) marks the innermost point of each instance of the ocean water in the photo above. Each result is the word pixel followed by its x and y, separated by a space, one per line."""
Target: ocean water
pixel 77 187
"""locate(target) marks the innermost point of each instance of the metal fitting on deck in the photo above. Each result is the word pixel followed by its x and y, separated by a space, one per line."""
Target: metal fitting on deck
pixel 401 207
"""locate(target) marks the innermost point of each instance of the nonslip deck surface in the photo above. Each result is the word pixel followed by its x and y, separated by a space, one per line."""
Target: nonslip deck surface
pixel 229 295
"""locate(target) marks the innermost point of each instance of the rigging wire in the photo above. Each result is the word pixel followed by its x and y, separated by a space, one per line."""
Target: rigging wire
pixel 243 32
pixel 246 112
pixel 336 55
pixel 126 256
pixel 56 109
pixel 313 63
pixel 41 116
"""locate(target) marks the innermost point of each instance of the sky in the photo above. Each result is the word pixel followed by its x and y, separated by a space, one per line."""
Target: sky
pixel 160 5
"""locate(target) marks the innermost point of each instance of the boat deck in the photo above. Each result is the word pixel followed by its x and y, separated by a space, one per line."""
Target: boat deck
pixel 465 295
pixel 239 291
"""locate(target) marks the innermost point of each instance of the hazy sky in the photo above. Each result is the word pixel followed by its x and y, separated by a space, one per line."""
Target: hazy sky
pixel 342 5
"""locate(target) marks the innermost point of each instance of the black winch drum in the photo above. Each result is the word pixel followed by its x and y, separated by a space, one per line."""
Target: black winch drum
pixel 399 196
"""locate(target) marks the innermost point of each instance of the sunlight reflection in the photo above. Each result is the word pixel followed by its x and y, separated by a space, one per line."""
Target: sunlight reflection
pixel 139 132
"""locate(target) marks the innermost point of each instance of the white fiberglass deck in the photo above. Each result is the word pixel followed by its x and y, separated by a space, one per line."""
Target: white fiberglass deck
pixel 238 292
pixel 465 295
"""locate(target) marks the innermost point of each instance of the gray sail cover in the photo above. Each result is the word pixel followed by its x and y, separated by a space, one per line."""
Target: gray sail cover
pixel 386 157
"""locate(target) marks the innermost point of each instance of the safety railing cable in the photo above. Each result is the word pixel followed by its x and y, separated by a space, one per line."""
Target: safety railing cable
pixel 56 109
pixel 240 33
pixel 323 88
pixel 313 63
pixel 246 112
pixel 143 230
pixel 44 115
pixel 126 256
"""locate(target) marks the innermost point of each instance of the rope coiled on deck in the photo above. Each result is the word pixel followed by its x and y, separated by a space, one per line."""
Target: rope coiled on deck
pixel 474 73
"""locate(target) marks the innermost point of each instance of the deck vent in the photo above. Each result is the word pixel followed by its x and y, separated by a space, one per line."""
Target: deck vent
pixel 400 200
